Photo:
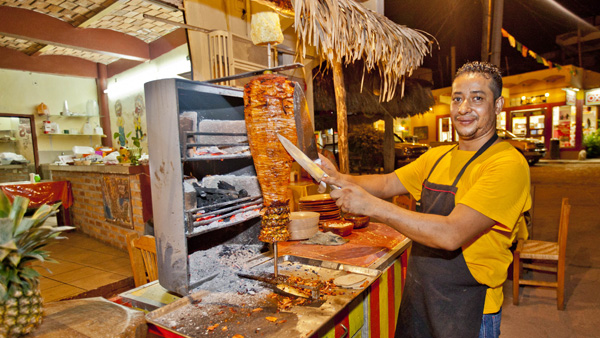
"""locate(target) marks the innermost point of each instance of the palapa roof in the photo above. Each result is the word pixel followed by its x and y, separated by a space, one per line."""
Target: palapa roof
pixel 362 103
pixel 346 31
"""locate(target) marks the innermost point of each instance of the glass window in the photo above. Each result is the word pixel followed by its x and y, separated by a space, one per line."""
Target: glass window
pixel 519 124
pixel 536 125
pixel 445 128
pixel 563 125
pixel 590 119
pixel 501 120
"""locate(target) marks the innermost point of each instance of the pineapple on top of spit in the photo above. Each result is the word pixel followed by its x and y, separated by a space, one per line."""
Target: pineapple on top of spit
pixel 269 110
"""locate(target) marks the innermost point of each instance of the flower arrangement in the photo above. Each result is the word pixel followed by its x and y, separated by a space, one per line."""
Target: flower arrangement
pixel 129 154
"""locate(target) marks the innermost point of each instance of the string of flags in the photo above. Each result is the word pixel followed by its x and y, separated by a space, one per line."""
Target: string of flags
pixel 526 51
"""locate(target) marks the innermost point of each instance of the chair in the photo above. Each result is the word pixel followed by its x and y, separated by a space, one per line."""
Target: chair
pixel 543 252
pixel 142 254
pixel 406 201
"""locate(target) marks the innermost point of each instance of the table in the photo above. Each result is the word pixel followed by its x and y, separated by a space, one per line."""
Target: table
pixel 48 192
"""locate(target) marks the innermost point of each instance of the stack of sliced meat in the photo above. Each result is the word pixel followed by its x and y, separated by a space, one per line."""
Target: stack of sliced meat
pixel 269 110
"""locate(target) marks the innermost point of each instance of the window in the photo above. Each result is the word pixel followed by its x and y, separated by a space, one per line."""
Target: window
pixel 563 125
pixel 590 120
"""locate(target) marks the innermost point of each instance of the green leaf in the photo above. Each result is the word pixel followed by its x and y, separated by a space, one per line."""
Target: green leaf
pixel 42 211
pixel 63 228
pixel 14 259
pixel 116 135
pixel 6 230
pixel 3 253
pixel 29 273
pixel 19 208
pixel 4 205
pixel 25 225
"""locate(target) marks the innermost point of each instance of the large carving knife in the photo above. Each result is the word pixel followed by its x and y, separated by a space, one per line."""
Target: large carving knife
pixel 304 128
pixel 303 160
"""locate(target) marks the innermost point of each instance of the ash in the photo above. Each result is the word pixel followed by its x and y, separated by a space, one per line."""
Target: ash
pixel 216 269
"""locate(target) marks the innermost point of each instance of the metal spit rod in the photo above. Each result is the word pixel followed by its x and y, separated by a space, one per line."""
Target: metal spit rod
pixel 275 258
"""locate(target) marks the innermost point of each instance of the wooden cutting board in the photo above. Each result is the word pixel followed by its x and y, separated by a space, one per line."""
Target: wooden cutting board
pixel 364 247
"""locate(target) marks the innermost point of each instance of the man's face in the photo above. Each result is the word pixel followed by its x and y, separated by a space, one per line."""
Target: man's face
pixel 473 109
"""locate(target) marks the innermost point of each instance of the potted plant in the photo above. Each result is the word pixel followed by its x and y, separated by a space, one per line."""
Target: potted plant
pixel 128 154
pixel 22 240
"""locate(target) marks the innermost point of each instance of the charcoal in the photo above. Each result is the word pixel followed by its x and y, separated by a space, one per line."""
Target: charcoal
pixel 226 186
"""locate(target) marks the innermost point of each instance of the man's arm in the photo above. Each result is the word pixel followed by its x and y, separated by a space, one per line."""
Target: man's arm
pixel 381 186
pixel 443 232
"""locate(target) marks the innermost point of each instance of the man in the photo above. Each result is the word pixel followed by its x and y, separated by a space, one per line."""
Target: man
pixel 471 197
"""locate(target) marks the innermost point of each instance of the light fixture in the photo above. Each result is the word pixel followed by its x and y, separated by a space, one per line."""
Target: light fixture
pixel 547 95
pixel 523 98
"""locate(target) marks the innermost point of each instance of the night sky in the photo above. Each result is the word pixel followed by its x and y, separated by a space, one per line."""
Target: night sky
pixel 534 23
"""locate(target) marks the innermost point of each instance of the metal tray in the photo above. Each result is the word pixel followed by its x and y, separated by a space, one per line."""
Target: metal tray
pixel 183 317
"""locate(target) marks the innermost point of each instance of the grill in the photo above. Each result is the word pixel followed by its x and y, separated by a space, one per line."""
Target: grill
pixel 205 193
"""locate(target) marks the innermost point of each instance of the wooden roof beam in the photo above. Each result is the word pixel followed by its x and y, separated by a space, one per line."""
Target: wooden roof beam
pixel 44 29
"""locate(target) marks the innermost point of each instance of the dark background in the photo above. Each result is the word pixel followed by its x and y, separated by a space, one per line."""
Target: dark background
pixel 534 23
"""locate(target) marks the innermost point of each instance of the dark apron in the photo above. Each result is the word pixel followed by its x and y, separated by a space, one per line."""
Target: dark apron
pixel 441 298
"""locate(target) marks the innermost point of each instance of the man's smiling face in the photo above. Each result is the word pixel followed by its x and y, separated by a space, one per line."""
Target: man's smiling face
pixel 473 109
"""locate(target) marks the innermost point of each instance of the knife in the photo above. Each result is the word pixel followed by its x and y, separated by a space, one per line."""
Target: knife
pixel 305 162
pixel 285 285
pixel 255 72
pixel 304 127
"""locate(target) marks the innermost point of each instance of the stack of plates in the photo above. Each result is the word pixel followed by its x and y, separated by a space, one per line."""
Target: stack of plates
pixel 323 204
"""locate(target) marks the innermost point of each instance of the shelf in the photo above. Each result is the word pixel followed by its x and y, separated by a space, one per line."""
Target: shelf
pixel 75 115
pixel 58 134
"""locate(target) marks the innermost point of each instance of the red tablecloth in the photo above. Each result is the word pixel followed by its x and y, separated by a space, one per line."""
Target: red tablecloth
pixel 41 192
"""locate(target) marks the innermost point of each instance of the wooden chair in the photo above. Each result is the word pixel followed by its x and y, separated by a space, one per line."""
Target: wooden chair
pixel 544 252
pixel 142 254
pixel 406 201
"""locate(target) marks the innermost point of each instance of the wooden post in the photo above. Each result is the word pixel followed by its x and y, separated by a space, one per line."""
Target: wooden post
pixel 389 157
pixel 342 114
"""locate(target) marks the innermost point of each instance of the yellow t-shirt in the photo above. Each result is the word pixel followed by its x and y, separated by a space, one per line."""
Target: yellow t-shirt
pixel 497 185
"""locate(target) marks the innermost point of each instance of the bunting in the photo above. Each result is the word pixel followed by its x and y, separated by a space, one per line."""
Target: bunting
pixel 521 48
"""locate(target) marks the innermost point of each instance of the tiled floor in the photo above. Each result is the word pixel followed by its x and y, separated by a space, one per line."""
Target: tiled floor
pixel 85 265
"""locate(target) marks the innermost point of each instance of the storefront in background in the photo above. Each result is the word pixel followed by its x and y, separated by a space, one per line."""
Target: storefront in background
pixel 567 121
pixel 551 104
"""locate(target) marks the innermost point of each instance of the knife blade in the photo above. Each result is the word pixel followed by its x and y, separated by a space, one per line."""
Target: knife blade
pixel 255 72
pixel 304 127
pixel 304 161
pixel 284 284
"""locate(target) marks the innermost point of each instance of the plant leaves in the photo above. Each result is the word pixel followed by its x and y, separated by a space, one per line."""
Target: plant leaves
pixel 4 205
pixel 6 230
pixel 25 225
pixel 19 208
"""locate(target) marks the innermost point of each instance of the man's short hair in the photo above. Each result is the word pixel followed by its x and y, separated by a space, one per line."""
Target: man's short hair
pixel 487 70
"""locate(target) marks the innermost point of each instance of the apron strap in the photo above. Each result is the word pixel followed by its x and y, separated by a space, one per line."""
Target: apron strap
pixel 438 161
pixel 479 152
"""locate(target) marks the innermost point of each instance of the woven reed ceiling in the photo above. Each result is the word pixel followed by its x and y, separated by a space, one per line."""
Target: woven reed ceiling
pixel 123 16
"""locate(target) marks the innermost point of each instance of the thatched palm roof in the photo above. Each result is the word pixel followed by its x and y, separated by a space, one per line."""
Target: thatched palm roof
pixel 343 30
pixel 362 99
